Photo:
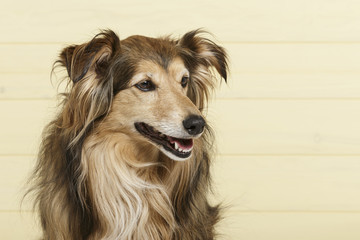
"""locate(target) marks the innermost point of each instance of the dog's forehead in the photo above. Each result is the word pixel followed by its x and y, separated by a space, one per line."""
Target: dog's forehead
pixel 159 50
pixel 148 69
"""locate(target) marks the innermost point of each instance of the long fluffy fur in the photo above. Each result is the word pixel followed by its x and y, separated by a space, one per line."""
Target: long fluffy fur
pixel 93 180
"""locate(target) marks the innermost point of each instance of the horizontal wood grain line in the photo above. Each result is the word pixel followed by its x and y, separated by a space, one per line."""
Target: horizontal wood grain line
pixel 220 98
pixel 222 42
pixel 294 211
pixel 290 42
pixel 232 155
pixel 16 211
pixel 285 155
pixel 17 155
pixel 218 42
pixel 24 72
pixel 239 211
pixel 288 99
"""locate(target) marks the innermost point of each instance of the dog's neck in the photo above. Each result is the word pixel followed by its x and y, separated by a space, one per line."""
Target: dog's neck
pixel 131 187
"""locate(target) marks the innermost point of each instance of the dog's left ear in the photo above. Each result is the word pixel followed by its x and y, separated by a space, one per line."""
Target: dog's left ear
pixel 205 52
pixel 200 56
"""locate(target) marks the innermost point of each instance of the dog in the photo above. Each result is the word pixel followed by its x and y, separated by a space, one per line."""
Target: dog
pixel 129 152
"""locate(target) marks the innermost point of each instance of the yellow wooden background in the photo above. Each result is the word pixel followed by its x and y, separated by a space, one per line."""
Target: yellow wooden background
pixel 288 123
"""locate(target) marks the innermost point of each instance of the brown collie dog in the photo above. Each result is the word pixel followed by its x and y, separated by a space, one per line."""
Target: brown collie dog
pixel 128 155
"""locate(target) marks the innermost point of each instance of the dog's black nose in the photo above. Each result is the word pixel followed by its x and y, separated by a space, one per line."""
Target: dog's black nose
pixel 194 124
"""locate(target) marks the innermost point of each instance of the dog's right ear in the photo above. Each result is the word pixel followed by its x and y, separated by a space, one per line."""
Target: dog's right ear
pixel 88 66
pixel 91 57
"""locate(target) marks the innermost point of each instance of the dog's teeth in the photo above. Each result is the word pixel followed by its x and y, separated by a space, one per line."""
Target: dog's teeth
pixel 188 150
pixel 179 149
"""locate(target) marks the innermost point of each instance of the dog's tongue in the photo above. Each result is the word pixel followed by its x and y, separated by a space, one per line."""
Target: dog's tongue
pixel 184 144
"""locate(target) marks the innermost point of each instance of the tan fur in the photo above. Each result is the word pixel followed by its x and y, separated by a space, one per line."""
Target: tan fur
pixel 97 177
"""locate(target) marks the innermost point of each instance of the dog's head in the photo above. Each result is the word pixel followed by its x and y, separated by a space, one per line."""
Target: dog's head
pixel 153 89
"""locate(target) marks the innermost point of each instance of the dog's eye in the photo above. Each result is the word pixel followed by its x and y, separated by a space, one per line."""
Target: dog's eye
pixel 146 86
pixel 184 81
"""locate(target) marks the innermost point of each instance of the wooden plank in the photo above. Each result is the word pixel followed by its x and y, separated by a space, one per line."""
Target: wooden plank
pixel 14 173
pixel 294 58
pixel 247 20
pixel 32 58
pixel 240 86
pixel 288 183
pixel 236 225
pixel 286 126
pixel 246 183
pixel 283 85
pixel 21 125
pixel 242 126
pixel 27 86
pixel 288 225
pixel 244 58
pixel 19 226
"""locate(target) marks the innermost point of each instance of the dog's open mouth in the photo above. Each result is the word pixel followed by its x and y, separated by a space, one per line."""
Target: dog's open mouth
pixel 179 147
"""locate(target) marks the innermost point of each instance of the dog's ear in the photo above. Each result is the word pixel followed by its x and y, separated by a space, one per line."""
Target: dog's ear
pixel 93 56
pixel 206 51
pixel 201 56
pixel 88 66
